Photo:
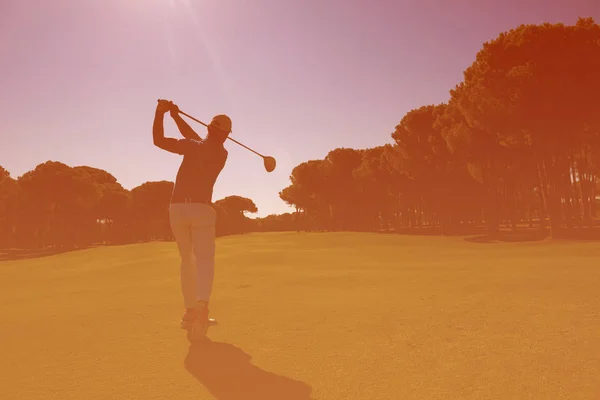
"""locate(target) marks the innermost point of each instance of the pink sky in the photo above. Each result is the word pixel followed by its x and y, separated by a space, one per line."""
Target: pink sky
pixel 80 79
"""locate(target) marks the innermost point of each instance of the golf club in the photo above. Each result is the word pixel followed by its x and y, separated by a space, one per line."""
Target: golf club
pixel 269 162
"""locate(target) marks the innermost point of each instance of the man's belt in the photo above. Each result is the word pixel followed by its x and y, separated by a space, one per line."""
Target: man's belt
pixel 181 199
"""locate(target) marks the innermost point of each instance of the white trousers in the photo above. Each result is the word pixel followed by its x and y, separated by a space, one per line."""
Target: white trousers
pixel 193 225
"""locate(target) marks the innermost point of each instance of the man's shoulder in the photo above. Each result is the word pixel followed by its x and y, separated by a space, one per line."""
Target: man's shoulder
pixel 195 141
pixel 199 144
pixel 217 148
pixel 212 148
pixel 190 143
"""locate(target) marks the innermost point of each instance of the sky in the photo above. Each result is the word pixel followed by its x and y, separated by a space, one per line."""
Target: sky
pixel 80 79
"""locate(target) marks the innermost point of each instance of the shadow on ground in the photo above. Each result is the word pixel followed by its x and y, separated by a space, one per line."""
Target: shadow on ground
pixel 226 372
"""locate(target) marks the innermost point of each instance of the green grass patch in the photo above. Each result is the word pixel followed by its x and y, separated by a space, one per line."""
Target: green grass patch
pixel 330 315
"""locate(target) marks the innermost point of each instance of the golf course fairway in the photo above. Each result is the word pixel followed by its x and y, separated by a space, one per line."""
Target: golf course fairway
pixel 345 316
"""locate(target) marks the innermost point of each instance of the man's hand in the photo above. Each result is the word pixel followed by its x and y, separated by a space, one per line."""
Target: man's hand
pixel 158 131
pixel 174 110
pixel 164 105
pixel 186 130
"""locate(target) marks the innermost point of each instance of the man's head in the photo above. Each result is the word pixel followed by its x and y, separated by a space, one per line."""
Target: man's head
pixel 219 128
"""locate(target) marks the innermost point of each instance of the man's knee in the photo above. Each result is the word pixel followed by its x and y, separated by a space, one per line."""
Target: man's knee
pixel 205 260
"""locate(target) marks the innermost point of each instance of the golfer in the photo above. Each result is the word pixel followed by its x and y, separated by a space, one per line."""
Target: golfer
pixel 192 215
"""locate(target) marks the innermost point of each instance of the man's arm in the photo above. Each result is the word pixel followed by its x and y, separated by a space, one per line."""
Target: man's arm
pixel 185 129
pixel 158 134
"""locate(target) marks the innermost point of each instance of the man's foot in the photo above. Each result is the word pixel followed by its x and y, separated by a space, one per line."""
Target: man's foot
pixel 196 315
pixel 188 318
pixel 199 324
pixel 201 313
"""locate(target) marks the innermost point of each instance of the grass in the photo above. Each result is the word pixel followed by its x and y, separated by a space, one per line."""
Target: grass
pixel 319 316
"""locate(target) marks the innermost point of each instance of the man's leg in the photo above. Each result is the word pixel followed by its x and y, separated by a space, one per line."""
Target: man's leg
pixel 203 237
pixel 181 225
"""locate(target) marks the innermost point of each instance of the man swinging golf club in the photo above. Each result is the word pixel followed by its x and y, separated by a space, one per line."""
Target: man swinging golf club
pixel 192 215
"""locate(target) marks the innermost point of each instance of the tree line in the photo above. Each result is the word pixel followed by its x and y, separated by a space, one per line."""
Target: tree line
pixel 56 205
pixel 518 142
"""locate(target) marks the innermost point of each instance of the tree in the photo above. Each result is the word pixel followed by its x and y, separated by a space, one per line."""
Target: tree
pixel 231 216
pixel 378 186
pixel 294 196
pixel 340 190
pixel 522 91
pixel 426 158
pixel 309 180
pixel 277 222
pixel 113 210
pixel 9 191
pixel 150 211
pixel 57 204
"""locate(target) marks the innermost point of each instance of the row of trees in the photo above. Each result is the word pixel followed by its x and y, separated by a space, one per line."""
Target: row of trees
pixel 518 141
pixel 58 205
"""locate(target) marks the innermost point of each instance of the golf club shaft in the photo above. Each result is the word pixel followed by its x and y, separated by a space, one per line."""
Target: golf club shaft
pixel 228 137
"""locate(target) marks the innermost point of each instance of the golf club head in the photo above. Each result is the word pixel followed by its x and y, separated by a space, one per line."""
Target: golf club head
pixel 269 163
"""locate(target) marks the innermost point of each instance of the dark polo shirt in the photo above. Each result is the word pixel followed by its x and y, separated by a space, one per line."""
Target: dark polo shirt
pixel 203 161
